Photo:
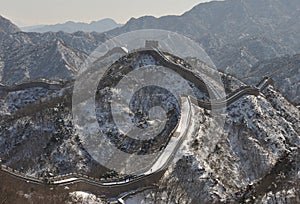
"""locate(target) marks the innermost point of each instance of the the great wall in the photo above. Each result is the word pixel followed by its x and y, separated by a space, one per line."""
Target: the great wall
pixel 79 182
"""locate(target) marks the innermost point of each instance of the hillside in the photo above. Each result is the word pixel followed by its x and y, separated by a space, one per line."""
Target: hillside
pixel 214 163
pixel 236 34
pixel 29 56
pixel 7 27
pixel 284 70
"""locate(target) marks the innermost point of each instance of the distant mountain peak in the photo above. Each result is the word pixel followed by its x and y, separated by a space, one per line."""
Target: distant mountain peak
pixel 72 27
pixel 7 26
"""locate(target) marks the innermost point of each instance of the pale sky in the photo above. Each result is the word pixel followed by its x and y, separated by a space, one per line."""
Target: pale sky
pixel 36 12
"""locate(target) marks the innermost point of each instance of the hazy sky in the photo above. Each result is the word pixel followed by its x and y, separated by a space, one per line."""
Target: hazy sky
pixel 34 12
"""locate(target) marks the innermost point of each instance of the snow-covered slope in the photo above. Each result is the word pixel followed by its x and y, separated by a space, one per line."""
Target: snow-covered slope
pixel 255 158
pixel 215 164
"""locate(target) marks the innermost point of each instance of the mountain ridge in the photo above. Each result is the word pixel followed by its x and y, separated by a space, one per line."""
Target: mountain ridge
pixel 71 26
pixel 236 34
pixel 6 26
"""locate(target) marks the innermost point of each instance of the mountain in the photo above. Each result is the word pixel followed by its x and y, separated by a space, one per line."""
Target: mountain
pixel 53 60
pixel 284 70
pixel 7 27
pixel 254 157
pixel 236 34
pixel 30 56
pixel 227 20
pixel 71 27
